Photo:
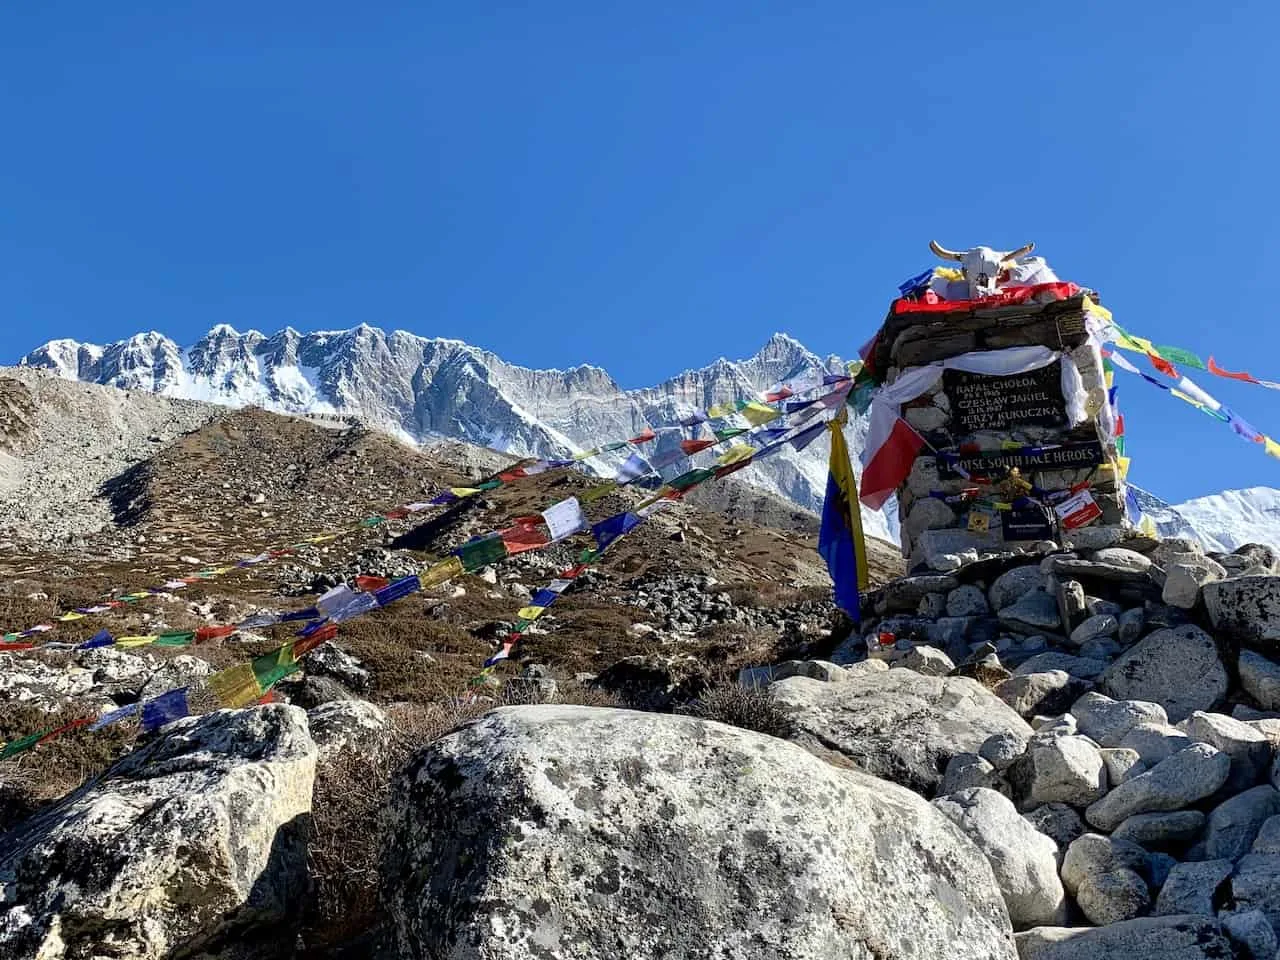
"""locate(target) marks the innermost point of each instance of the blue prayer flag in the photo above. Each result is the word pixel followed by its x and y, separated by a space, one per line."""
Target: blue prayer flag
pixel 165 709
pixel 100 639
pixel 610 529
pixel 840 538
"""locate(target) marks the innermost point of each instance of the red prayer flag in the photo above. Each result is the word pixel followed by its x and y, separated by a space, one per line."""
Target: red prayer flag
pixel 773 396
pixel 16 645
pixel 306 644
pixel 1007 297
pixel 723 472
pixel 213 633
pixel 1215 369
pixel 399 513
pixel 516 474
pixel 1163 365
pixel 369 584
pixel 523 537
pixel 645 436
pixel 691 447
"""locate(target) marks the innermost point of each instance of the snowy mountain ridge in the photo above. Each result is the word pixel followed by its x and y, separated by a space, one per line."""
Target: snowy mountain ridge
pixel 425 390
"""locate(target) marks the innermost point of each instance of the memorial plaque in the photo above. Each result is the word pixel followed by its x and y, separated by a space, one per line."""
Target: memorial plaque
pixel 1067 456
pixel 982 402
pixel 1027 522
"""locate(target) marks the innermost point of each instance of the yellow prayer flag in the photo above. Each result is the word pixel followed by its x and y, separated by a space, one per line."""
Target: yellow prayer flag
pixel 1110 377
pixel 595 493
pixel 136 641
pixel 759 413
pixel 721 410
pixel 587 454
pixel 1272 448
pixel 441 572
pixel 736 454
pixel 1091 305
pixel 236 686
pixel 463 492
pixel 1124 466
pixel 530 613
pixel 949 273
pixel 68 617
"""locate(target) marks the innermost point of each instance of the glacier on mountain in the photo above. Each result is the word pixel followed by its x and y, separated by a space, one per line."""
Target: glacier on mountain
pixel 426 390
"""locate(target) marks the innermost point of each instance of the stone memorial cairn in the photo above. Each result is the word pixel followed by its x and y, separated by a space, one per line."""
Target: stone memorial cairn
pixel 1011 461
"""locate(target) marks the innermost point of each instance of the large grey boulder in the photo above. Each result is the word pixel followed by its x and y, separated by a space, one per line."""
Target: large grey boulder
pixel 193 845
pixel 1234 824
pixel 1260 678
pixel 1024 860
pixel 1193 888
pixel 1255 885
pixel 1111 563
pixel 1247 609
pixel 1085 668
pixel 926 660
pixel 1178 668
pixel 967 601
pixel 341 725
pixel 1107 721
pixel 1065 770
pixel 558 831
pixel 1154 742
pixel 1098 625
pixel 1034 612
pixel 1011 585
pixel 966 770
pixel 1250 750
pixel 1041 693
pixel 1113 897
pixel 1161 831
pixel 1251 932
pixel 1187 776
pixel 1186 576
pixel 1057 821
pixel 900 725
pixel 1092 854
pixel 1146 938
pixel 904 594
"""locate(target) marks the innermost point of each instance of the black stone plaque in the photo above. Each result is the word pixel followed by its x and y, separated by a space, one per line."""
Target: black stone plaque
pixel 982 402
pixel 1067 456
pixel 1027 522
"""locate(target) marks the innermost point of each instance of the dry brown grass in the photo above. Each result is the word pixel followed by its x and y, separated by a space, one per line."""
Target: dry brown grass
pixel 39 776
pixel 750 709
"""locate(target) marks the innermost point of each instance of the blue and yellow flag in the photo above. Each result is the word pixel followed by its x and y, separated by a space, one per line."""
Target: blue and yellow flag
pixel 840 539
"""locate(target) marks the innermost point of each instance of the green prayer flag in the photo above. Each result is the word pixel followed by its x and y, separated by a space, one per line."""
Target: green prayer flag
pixel 22 744
pixel 481 553
pixel 728 433
pixel 1181 357
pixel 177 638
pixel 271 668
pixel 373 521
pixel 692 478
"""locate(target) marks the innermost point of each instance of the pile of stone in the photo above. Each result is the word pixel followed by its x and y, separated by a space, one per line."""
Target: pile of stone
pixel 1103 724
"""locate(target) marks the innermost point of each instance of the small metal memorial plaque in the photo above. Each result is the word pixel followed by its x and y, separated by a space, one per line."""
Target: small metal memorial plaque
pixel 982 402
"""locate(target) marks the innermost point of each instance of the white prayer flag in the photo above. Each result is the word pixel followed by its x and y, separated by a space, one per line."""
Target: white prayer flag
pixel 564 518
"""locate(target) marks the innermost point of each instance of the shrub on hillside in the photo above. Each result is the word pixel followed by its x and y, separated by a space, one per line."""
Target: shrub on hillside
pixel 750 709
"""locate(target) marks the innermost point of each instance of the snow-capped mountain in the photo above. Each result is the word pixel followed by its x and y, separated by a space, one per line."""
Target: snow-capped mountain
pixel 1221 522
pixel 425 390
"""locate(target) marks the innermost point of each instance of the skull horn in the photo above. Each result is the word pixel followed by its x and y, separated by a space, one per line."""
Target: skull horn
pixel 1013 255
pixel 943 253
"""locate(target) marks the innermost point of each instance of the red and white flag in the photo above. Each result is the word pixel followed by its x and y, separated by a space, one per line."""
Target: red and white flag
pixel 892 446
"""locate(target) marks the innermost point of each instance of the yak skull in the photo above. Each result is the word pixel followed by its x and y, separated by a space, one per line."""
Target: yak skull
pixel 982 266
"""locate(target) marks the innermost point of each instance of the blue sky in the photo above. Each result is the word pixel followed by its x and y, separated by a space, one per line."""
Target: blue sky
pixel 640 189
